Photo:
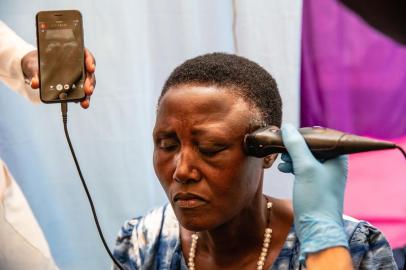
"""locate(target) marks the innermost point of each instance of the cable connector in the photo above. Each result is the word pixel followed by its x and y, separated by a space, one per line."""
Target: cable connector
pixel 64 107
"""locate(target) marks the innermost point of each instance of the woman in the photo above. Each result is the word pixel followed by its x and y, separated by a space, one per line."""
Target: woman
pixel 218 216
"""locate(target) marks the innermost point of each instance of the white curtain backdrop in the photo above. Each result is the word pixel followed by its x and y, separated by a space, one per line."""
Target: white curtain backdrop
pixel 136 45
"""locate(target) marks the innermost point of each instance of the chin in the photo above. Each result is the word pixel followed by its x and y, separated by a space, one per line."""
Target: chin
pixel 193 221
pixel 196 227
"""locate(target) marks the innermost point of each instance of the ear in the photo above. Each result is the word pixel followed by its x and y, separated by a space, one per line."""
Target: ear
pixel 269 160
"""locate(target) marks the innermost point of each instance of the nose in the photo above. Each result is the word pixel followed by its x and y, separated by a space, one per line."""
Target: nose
pixel 185 167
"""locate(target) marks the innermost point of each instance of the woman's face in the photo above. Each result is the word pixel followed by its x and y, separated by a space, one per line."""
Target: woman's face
pixel 199 157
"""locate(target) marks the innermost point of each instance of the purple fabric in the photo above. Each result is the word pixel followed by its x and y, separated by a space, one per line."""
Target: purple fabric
pixel 353 78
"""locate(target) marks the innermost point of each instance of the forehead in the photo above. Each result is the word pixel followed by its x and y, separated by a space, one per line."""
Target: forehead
pixel 203 105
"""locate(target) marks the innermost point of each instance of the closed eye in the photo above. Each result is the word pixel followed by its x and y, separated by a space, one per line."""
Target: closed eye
pixel 211 152
pixel 167 144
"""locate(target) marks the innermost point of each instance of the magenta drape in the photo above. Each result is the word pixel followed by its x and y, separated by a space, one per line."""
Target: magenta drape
pixel 353 78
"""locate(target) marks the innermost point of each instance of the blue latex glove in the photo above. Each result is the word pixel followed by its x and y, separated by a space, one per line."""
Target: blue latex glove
pixel 318 194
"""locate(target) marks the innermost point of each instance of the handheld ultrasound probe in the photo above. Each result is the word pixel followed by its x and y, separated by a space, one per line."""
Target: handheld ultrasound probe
pixel 324 143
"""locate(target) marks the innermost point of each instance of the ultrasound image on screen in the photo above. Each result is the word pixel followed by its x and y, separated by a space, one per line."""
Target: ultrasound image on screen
pixel 61 60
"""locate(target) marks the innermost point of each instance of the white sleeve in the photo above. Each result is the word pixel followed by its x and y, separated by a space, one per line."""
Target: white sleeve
pixel 12 49
pixel 23 244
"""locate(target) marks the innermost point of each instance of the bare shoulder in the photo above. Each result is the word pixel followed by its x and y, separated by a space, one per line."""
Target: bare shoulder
pixel 282 209
pixel 281 219
pixel 281 224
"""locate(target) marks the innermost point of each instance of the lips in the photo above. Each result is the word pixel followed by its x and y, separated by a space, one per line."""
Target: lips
pixel 188 200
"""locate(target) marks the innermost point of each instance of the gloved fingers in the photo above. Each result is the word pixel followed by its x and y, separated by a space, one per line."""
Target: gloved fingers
pixel 285 157
pixel 296 145
pixel 286 167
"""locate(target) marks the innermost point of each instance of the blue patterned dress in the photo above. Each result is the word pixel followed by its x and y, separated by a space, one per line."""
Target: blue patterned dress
pixel 152 242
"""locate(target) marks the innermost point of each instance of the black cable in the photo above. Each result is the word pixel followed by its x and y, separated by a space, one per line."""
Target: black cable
pixel 401 150
pixel 64 109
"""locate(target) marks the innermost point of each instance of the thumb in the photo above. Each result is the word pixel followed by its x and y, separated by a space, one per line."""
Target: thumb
pixel 29 66
pixel 34 82
pixel 295 144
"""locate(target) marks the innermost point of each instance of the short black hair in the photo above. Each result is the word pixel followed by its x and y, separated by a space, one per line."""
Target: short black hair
pixel 238 74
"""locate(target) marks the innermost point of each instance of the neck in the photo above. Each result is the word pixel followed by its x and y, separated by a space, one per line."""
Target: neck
pixel 247 227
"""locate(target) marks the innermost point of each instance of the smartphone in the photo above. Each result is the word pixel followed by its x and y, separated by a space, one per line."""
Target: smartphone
pixel 60 55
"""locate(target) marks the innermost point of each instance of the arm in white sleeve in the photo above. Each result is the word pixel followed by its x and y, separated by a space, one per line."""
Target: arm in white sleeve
pixel 12 50
pixel 23 244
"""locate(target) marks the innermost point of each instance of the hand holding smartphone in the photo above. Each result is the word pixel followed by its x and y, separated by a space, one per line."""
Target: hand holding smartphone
pixel 60 55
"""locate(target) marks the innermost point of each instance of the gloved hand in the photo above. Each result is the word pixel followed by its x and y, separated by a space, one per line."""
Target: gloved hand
pixel 318 194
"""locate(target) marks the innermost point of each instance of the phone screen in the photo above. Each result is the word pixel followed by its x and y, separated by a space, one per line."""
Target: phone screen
pixel 61 57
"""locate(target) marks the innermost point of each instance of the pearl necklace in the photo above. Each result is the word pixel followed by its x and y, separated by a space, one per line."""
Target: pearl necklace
pixel 262 256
